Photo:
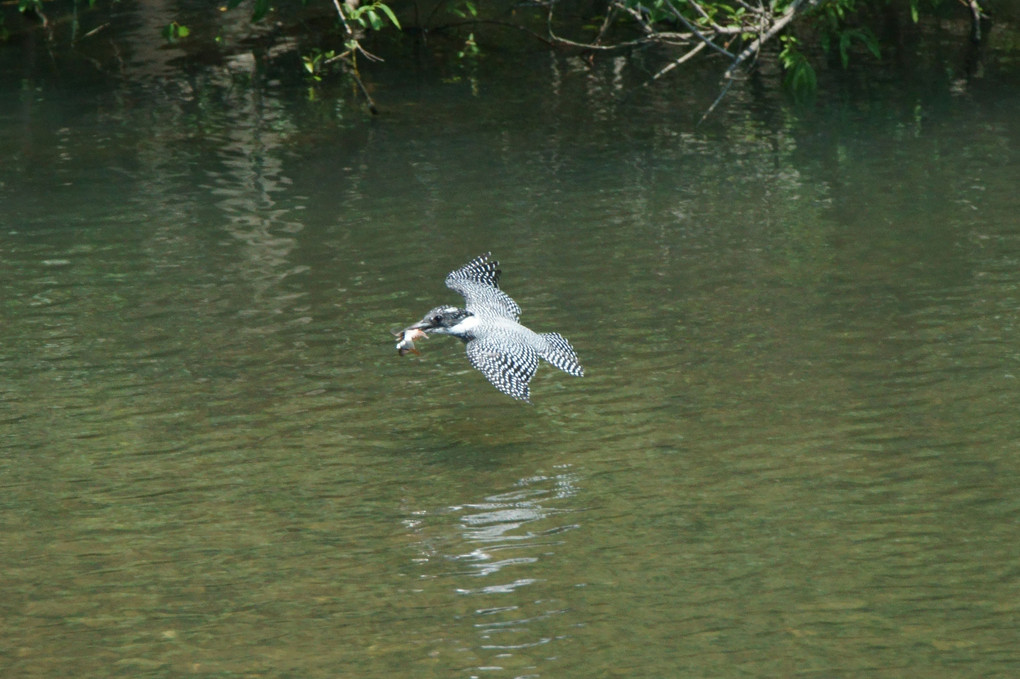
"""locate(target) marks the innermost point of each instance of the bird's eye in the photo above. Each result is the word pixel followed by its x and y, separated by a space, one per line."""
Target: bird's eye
pixel 437 319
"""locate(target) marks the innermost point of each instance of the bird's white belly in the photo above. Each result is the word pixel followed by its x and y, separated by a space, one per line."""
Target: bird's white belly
pixel 465 327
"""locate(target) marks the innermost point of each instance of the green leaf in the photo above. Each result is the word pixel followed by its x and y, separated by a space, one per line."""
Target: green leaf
pixel 800 75
pixel 358 15
pixel 374 20
pixel 173 31
pixel 871 42
pixel 844 45
pixel 863 35
pixel 385 9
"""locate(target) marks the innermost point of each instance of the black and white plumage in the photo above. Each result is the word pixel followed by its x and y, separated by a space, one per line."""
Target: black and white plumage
pixel 497 345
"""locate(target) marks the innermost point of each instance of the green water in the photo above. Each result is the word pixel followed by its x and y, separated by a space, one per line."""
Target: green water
pixel 794 451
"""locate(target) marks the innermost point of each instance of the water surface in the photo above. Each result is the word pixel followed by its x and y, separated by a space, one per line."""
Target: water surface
pixel 794 451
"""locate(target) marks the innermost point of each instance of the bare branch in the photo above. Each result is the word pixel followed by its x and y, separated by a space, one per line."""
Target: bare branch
pixel 715 103
pixel 976 14
pixel 343 18
pixel 555 39
pixel 698 34
pixel 677 62
pixel 605 24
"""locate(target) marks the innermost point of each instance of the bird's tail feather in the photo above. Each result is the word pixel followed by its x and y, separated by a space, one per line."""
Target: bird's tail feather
pixel 560 354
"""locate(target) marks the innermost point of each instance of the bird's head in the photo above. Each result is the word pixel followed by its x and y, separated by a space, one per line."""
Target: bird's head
pixel 446 320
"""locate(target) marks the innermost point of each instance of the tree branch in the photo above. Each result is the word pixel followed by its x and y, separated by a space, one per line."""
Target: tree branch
pixel 677 62
pixel 779 24
pixel 698 34
pixel 975 19
pixel 356 47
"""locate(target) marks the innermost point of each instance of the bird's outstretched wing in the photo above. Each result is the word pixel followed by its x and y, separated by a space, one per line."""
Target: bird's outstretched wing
pixel 508 366
pixel 478 281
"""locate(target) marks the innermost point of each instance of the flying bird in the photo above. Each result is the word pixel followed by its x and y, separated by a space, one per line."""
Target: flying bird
pixel 497 345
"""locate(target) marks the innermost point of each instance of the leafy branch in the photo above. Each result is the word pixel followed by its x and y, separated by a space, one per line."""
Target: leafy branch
pixel 363 16
pixel 355 18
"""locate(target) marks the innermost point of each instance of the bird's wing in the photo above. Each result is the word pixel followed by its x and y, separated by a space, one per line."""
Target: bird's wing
pixel 509 366
pixel 478 281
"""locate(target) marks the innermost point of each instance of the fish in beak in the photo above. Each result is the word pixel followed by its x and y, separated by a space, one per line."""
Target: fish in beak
pixel 407 336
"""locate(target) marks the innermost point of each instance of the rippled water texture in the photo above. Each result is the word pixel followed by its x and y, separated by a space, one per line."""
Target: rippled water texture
pixel 794 450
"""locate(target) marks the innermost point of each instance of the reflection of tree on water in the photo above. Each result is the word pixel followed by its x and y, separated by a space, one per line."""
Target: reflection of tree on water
pixel 253 174
pixel 483 565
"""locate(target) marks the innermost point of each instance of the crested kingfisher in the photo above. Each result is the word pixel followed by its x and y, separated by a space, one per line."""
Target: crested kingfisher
pixel 497 345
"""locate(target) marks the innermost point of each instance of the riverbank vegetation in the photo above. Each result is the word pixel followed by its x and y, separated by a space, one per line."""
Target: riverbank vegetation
pixel 800 37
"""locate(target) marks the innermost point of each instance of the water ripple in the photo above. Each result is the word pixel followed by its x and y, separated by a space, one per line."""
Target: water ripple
pixel 520 523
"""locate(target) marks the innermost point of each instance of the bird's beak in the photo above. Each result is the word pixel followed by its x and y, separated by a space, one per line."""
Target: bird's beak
pixel 420 325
